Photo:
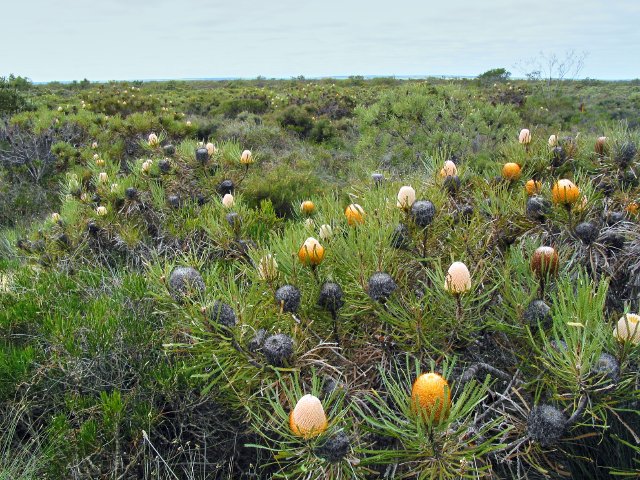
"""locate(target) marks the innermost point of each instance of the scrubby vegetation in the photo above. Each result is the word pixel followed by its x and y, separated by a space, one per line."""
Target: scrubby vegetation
pixel 320 279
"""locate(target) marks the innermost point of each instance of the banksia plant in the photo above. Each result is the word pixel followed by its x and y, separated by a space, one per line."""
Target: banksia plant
pixel 451 447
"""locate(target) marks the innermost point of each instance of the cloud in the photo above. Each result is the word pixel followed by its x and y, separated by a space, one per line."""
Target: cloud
pixel 127 39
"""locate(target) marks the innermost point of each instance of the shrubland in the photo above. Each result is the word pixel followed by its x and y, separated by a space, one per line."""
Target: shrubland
pixel 320 279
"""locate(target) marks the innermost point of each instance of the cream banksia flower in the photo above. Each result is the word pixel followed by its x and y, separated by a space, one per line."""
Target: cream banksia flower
pixel 406 197
pixel 268 268
pixel 308 419
pixel 525 136
pixel 55 217
pixel 326 232
pixel 628 329
pixel 211 148
pixel 228 200
pixel 101 211
pixel 153 139
pixel 103 177
pixel 246 158
pixel 458 279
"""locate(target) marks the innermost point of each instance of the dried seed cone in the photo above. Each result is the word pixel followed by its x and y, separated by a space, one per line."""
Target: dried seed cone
pixel 544 261
pixel 308 419
pixel 458 279
pixel 311 252
pixel 565 192
pixel 354 214
pixel 430 395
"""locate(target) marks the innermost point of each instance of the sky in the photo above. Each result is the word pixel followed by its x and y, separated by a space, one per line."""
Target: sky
pixel 65 40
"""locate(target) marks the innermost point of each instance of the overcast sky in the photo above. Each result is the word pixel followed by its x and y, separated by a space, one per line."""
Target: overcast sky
pixel 147 39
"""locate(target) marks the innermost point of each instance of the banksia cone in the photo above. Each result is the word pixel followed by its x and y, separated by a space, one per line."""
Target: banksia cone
pixel 223 314
pixel 452 184
pixel 423 212
pixel 544 261
pixel 308 419
pixel 184 281
pixel 511 171
pixel 381 286
pixel 331 297
pixel 628 329
pixel 288 298
pixel 278 349
pixel 533 187
pixel 202 154
pixel 225 186
pixel 406 197
pixel 525 136
pixel 430 396
pixel 377 178
pixel 458 279
pixel 354 214
pixel 311 252
pixel 565 192
pixel 307 207
pixel 546 424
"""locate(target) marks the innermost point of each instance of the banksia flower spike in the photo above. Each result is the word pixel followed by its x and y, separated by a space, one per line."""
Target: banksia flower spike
pixel 449 170
pixel 544 263
pixel 101 211
pixel 553 140
pixel 458 279
pixel 354 214
pixel 246 158
pixel 307 419
pixel 326 232
pixel 533 187
pixel 228 200
pixel 268 268
pixel 211 149
pixel 311 252
pixel 103 177
pixel 628 329
pixel 430 396
pixel 307 207
pixel 406 197
pixel 153 139
pixel 511 171
pixel 565 192
pixel 55 217
pixel 525 136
